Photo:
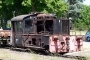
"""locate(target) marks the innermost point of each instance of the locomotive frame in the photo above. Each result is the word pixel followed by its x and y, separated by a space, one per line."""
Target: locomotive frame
pixel 42 31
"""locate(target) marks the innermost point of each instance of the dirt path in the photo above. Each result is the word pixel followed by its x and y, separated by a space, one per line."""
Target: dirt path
pixel 85 51
pixel 7 54
pixel 86 46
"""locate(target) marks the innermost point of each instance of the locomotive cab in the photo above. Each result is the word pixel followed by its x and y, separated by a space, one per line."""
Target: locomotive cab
pixel 39 31
pixel 28 26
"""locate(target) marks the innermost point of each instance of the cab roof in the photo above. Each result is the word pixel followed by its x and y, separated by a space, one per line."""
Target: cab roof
pixel 20 17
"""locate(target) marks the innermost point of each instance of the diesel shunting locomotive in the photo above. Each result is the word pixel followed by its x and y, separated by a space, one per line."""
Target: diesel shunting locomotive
pixel 44 31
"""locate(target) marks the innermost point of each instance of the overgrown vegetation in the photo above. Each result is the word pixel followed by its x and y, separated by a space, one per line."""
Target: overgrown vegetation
pixel 61 8
pixel 84 20
pixel 11 8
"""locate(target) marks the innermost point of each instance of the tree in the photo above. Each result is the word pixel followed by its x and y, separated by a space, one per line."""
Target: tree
pixel 10 8
pixel 52 6
pixel 84 20
pixel 74 7
pixel 57 7
pixel 3 19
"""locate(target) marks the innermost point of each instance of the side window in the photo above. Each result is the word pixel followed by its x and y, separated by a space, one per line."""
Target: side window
pixel 18 26
pixel 28 23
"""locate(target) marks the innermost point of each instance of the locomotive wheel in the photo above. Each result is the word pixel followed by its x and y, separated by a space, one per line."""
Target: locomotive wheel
pixel 4 43
pixel 46 47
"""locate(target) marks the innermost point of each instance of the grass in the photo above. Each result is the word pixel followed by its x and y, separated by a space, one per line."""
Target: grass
pixel 15 55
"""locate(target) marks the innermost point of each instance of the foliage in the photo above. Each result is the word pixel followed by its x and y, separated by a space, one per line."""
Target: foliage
pixel 18 7
pixel 75 7
pixel 80 16
pixel 11 8
pixel 57 7
pixel 84 20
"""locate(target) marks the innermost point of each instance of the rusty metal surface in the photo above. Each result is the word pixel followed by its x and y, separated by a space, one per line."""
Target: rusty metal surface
pixel 45 31
pixel 67 44
pixel 5 33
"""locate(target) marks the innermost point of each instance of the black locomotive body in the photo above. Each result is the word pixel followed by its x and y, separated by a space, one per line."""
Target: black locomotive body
pixel 41 31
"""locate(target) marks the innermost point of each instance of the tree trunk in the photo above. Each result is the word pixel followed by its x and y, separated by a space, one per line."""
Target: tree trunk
pixel 3 22
pixel 33 5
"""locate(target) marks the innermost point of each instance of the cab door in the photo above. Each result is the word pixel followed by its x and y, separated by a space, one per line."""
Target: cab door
pixel 17 35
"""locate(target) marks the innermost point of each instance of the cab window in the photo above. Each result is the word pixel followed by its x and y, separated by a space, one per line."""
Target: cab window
pixel 28 23
pixel 18 26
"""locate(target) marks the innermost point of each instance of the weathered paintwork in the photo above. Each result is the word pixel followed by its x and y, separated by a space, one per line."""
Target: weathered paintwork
pixel 68 44
pixel 5 33
pixel 44 31
pixel 5 37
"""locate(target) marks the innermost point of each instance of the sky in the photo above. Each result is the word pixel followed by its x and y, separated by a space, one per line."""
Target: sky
pixel 87 2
